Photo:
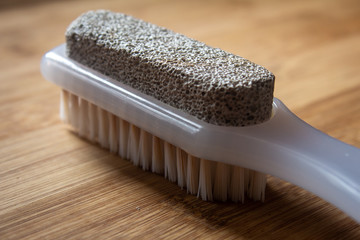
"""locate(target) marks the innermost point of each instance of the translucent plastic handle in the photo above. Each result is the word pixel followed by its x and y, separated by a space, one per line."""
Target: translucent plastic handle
pixel 313 160
pixel 284 146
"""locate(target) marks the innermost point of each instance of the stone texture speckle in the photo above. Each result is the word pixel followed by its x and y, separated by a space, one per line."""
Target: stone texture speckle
pixel 208 83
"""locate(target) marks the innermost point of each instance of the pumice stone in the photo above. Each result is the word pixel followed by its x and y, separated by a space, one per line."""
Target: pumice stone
pixel 211 84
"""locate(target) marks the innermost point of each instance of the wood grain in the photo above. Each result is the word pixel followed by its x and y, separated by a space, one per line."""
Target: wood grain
pixel 54 185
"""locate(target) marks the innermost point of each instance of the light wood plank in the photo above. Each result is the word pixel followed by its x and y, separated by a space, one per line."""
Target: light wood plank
pixel 54 185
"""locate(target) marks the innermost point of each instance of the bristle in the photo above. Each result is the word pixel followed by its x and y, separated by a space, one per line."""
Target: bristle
pixel 255 188
pixel 83 118
pixel 222 180
pixel 133 147
pixel 208 179
pixel 170 161
pixel 145 150
pixel 123 138
pixel 192 174
pixel 205 190
pixel 237 188
pixel 103 121
pixel 93 122
pixel 73 110
pixel 64 106
pixel 113 132
pixel 181 166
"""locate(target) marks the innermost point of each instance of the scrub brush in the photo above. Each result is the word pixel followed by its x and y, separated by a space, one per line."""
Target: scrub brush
pixel 203 117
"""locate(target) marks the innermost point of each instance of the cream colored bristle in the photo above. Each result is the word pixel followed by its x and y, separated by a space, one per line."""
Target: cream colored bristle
pixel 222 181
pixel 181 166
pixel 113 133
pixel 93 122
pixel 192 174
pixel 205 190
pixel 103 121
pixel 123 138
pixel 170 161
pixel 208 180
pixel 237 187
pixel 83 118
pixel 64 106
pixel 133 147
pixel 73 110
pixel 145 149
pixel 256 188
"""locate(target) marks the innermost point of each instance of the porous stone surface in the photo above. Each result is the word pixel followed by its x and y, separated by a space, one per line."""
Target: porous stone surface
pixel 208 83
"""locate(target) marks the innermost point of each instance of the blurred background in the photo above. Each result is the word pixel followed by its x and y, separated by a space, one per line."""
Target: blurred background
pixel 313 49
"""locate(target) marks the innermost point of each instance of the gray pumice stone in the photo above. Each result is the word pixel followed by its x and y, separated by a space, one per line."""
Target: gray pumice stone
pixel 213 85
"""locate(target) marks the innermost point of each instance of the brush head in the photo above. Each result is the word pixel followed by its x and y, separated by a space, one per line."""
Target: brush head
pixel 208 83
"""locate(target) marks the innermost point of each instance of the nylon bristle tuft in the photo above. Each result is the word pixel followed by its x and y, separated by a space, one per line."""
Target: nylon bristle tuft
pixel 207 179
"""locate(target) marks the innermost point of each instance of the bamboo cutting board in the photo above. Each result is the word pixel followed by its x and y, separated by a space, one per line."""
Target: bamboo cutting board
pixel 54 185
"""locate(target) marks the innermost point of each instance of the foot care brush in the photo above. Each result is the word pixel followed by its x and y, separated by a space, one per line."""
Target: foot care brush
pixel 203 117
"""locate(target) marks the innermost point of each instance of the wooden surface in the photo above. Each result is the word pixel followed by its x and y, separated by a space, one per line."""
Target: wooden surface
pixel 54 185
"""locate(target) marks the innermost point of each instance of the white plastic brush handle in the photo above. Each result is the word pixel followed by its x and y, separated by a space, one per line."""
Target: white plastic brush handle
pixel 284 146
